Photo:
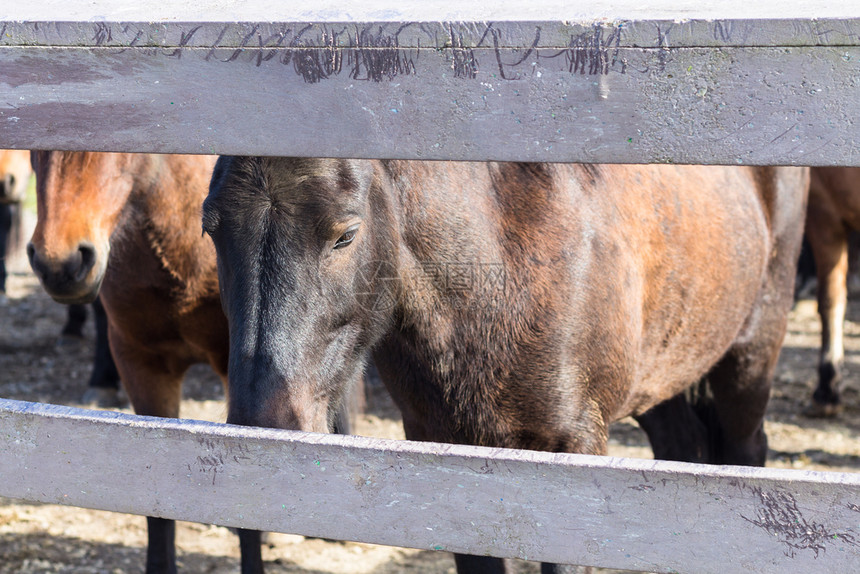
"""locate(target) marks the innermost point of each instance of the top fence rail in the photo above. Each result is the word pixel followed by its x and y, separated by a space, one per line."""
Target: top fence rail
pixel 774 83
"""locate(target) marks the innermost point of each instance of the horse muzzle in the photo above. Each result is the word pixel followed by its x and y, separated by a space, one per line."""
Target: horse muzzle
pixel 75 278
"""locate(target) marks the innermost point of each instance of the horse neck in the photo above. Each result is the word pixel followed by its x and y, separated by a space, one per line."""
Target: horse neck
pixel 169 192
pixel 441 214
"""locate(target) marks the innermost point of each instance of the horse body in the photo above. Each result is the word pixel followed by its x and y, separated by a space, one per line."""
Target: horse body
pixel 511 305
pixel 834 210
pixel 127 227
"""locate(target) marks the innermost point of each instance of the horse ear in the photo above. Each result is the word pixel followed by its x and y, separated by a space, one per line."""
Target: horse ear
pixel 210 215
pixel 34 159
pixel 218 174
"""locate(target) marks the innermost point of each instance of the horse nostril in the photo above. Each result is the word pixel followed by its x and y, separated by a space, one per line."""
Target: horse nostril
pixel 31 255
pixel 88 259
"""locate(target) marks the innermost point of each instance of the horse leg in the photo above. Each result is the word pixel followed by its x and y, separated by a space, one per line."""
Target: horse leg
pixel 564 569
pixel 161 546
pixel 5 229
pixel 676 431
pixel 103 387
pixel 76 316
pixel 252 554
pixel 468 564
pixel 830 249
pixel 740 382
pixel 350 407
pixel 155 389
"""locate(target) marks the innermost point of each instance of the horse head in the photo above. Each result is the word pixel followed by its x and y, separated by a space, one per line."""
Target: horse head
pixel 80 200
pixel 293 238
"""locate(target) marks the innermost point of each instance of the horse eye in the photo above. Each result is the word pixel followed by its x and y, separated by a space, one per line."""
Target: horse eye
pixel 347 237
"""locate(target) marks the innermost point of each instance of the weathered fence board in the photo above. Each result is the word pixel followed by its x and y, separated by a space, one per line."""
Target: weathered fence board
pixel 541 83
pixel 646 515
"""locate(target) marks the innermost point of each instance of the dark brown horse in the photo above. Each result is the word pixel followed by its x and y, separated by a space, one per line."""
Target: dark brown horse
pixel 834 211
pixel 127 227
pixel 508 305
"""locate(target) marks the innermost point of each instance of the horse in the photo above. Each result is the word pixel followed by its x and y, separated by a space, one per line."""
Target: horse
pixel 126 228
pixel 833 212
pixel 14 177
pixel 508 304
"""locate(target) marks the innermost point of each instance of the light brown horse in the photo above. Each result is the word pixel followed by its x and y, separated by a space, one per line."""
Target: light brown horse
pixel 127 227
pixel 508 304
pixel 834 211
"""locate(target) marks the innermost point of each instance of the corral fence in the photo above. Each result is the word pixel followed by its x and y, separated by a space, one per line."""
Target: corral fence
pixel 737 83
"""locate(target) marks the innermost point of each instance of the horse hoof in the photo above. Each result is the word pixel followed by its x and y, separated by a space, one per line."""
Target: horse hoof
pixel 822 410
pixel 103 398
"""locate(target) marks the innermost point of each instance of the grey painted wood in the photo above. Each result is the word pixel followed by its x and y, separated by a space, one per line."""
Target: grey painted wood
pixel 394 80
pixel 647 515
pixel 439 24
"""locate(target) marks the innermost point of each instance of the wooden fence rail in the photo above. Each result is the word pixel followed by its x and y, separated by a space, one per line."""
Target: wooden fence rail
pixel 739 83
pixel 638 82
pixel 636 514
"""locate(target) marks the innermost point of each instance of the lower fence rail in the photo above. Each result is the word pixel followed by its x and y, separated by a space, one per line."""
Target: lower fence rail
pixel 618 513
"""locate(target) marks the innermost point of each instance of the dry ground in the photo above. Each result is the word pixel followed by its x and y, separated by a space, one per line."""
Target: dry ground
pixel 47 538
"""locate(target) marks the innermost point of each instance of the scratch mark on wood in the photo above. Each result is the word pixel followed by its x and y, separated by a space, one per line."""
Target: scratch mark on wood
pixel 102 33
pixel 463 60
pixel 723 30
pixel 594 54
pixel 379 56
pixel 498 51
pixel 783 133
pixel 779 515
pixel 663 45
pixel 215 44
pixel 184 39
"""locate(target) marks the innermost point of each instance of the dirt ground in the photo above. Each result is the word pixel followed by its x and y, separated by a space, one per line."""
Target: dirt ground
pixel 36 538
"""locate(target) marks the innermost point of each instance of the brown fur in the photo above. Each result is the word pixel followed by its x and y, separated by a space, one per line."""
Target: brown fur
pixel 834 210
pixel 621 287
